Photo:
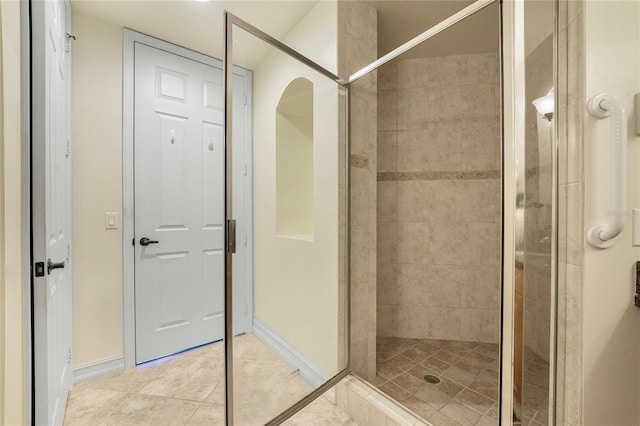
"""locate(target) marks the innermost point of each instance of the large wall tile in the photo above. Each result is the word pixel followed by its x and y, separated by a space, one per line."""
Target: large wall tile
pixel 445 106
pixel 445 148
pixel 479 201
pixel 413 150
pixel 387 110
pixel 444 71
pixel 413 201
pixel 387 76
pixel 412 73
pixel 480 103
pixel 413 243
pixel 387 151
pixel 480 287
pixel 413 109
pixel 387 202
pixel 387 287
pixel 413 321
pixel 480 324
pixel 411 285
pixel 445 323
pixel 479 69
pixel 480 146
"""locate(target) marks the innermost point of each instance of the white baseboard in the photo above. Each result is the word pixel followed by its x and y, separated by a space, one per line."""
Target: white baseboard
pixel 96 369
pixel 308 370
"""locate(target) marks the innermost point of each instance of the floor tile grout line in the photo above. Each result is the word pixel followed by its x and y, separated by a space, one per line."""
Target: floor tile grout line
pixel 461 353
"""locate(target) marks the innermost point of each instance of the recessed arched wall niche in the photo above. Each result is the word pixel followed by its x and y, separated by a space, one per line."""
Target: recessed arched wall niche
pixel 294 161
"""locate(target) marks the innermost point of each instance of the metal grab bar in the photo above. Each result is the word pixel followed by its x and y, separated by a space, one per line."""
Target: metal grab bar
pixel 601 106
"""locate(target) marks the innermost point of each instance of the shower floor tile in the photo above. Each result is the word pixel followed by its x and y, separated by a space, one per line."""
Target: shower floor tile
pixel 467 393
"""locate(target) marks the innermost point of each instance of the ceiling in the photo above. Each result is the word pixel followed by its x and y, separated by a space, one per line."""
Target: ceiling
pixel 199 25
pixel 401 20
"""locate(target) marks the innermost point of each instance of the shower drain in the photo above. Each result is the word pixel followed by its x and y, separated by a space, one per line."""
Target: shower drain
pixel 429 378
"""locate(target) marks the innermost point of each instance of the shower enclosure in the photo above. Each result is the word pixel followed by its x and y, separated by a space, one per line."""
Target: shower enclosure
pixel 449 231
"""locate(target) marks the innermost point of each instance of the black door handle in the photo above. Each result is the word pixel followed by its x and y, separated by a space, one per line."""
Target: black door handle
pixel 51 266
pixel 144 241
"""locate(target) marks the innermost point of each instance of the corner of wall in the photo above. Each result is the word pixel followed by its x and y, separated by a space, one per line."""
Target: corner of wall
pixel 357 47
pixel 570 95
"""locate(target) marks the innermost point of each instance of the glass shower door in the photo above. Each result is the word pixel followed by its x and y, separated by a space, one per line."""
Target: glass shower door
pixel 295 340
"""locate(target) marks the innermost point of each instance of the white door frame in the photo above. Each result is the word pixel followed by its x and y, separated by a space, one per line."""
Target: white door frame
pixel 246 205
pixel 25 48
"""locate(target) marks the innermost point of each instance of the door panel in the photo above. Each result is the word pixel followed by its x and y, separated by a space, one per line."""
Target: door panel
pixel 179 202
pixel 51 204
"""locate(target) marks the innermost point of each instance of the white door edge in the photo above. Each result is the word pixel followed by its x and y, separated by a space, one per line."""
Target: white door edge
pixel 129 38
pixel 40 359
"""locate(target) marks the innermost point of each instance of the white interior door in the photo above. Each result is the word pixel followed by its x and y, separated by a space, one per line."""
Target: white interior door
pixel 51 204
pixel 179 203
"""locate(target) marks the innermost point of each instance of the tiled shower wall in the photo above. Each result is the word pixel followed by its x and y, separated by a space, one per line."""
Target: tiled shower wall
pixel 571 101
pixel 357 47
pixel 438 218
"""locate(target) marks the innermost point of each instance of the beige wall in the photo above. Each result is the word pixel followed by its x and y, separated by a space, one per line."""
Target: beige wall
pixel 296 281
pixel 611 332
pixel 12 356
pixel 97 188
pixel 294 161
pixel 439 198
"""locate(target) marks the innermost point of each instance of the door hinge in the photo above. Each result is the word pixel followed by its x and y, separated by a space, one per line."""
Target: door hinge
pixel 244 98
pixel 67 154
pixel 246 240
pixel 69 37
pixel 70 358
pixel 245 170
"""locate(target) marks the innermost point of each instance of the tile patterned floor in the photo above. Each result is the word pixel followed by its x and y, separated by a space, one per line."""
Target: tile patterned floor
pixel 535 400
pixel 468 390
pixel 188 389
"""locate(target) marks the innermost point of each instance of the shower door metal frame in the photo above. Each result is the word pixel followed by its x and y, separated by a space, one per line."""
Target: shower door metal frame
pixel 230 21
pixel 513 80
pixel 513 178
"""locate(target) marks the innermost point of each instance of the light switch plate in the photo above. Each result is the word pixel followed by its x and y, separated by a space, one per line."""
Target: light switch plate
pixel 111 220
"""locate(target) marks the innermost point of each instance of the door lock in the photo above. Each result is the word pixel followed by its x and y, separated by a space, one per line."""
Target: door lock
pixel 51 266
pixel 144 241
